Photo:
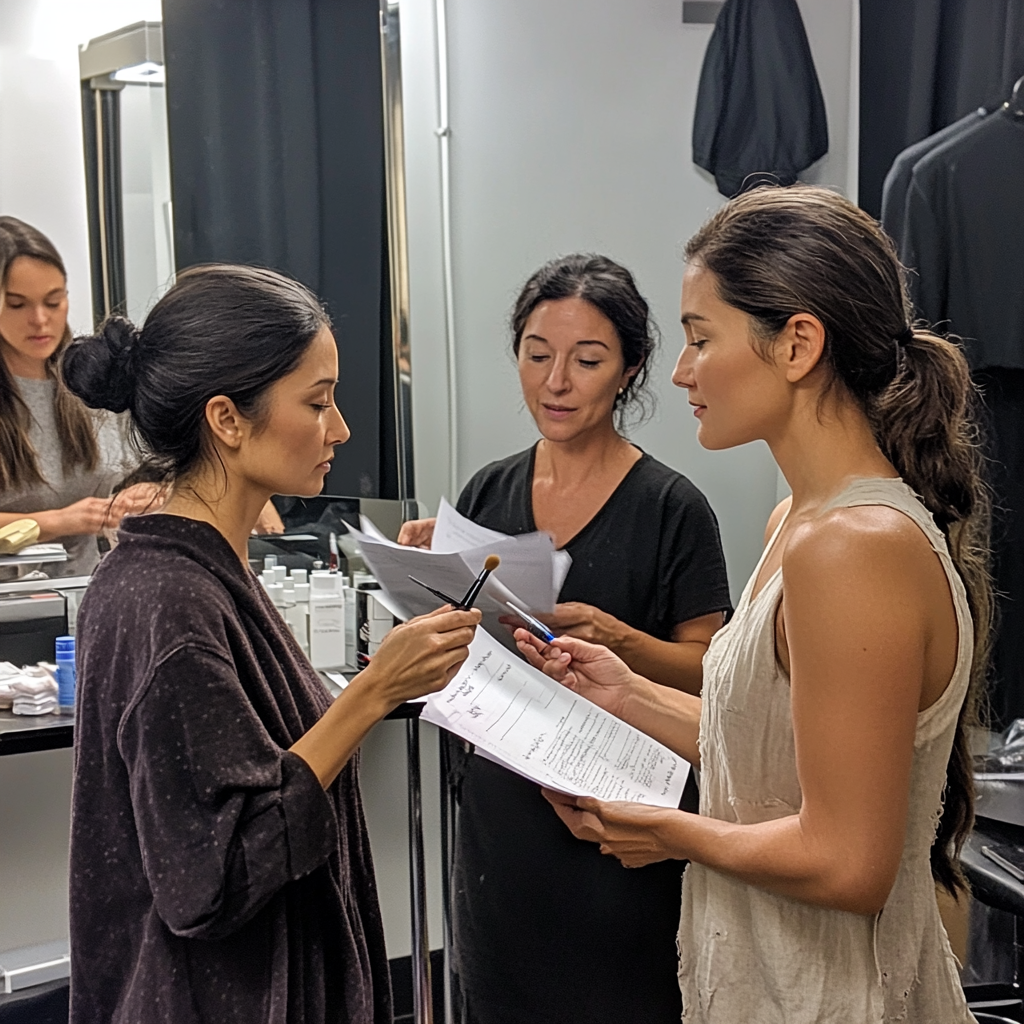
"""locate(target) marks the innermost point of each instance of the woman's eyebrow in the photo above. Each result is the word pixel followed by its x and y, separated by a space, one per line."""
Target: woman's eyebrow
pixel 592 341
pixel 18 295
pixel 687 318
pixel 324 380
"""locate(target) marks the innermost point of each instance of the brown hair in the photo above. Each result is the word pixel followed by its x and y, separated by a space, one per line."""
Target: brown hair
pixel 76 430
pixel 777 251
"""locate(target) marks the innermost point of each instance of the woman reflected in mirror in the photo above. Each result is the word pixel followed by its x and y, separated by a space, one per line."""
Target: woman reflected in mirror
pixel 58 459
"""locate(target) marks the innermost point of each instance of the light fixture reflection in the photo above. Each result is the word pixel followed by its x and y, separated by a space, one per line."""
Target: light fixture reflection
pixel 146 73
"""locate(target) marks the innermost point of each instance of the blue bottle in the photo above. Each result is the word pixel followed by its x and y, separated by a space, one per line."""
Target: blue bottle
pixel 66 672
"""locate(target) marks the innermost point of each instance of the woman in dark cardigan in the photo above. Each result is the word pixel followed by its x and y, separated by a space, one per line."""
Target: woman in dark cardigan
pixel 220 868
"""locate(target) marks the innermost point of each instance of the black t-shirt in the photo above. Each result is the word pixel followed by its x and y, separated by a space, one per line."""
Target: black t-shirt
pixel 652 555
pixel 547 929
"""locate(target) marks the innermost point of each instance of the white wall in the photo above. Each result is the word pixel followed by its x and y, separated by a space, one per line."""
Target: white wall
pixel 42 166
pixel 571 127
pixel 42 181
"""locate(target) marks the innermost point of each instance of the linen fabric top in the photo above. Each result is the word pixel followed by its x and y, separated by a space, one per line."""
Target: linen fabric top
pixel 60 489
pixel 750 955
pixel 212 877
pixel 547 929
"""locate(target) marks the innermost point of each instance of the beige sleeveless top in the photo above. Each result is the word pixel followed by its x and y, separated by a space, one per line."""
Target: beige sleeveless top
pixel 747 955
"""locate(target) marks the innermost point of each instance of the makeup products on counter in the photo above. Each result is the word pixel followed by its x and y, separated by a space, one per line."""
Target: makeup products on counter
pixel 338 624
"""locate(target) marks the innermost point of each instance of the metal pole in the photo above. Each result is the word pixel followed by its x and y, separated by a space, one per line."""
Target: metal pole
pixel 422 1002
pixel 447 846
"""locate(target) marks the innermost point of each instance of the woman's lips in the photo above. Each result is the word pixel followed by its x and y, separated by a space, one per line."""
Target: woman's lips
pixel 699 410
pixel 558 412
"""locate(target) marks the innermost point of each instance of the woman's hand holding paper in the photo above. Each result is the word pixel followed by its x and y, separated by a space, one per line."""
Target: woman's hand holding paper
pixel 636 834
pixel 417 533
pixel 587 669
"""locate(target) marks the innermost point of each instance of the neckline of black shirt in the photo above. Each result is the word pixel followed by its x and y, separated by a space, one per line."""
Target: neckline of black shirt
pixel 585 528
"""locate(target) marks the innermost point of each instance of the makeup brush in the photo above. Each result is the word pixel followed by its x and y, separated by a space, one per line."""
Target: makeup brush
pixel 491 562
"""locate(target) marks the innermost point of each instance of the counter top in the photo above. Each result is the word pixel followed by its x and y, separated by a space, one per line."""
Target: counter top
pixel 23 734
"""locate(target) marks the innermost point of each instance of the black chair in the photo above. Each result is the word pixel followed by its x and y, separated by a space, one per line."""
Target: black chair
pixel 996 887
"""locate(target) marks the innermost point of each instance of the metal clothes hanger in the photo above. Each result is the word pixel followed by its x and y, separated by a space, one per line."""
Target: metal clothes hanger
pixel 1015 104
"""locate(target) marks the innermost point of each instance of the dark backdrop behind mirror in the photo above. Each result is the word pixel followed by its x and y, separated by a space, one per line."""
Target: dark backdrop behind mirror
pixel 275 118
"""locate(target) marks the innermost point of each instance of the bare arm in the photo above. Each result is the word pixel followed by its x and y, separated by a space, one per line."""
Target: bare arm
pixel 420 656
pixel 856 611
pixel 88 516
pixel 675 662
pixel 666 714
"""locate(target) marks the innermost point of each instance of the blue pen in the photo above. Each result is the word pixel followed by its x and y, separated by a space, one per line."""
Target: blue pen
pixel 534 626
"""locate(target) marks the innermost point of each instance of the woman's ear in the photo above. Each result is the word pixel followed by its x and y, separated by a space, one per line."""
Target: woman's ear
pixel 800 345
pixel 627 375
pixel 226 423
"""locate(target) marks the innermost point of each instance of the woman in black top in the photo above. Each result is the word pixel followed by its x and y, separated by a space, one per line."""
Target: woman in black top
pixel 220 868
pixel 548 931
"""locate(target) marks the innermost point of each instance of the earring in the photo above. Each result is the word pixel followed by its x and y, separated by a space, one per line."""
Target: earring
pixel 621 390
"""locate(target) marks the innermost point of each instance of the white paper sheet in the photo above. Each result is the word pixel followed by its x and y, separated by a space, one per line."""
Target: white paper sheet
pixel 532 725
pixel 527 574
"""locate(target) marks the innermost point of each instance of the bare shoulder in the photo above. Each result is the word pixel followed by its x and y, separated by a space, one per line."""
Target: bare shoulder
pixel 776 517
pixel 865 542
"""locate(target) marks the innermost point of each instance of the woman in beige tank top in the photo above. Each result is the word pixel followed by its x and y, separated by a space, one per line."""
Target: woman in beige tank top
pixel 835 776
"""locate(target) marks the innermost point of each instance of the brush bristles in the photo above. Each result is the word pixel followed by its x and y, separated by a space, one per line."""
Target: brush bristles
pixel 491 562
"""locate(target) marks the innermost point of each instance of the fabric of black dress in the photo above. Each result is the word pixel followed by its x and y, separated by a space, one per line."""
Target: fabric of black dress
pixel 760 110
pixel 547 929
pixel 212 877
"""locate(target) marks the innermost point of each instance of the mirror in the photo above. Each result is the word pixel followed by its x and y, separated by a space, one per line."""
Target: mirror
pixel 128 172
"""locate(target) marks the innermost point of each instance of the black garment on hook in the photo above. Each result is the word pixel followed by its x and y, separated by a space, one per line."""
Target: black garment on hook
pixel 760 110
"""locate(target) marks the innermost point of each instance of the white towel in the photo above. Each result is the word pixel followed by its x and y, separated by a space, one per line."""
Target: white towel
pixel 43 704
pixel 33 681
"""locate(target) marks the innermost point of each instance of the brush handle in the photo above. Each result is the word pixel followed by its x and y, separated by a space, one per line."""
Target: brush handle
pixel 474 591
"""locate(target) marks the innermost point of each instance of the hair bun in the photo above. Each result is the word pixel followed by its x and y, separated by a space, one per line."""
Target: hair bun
pixel 98 369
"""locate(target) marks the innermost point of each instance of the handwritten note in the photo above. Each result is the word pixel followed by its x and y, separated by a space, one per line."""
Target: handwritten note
pixel 532 725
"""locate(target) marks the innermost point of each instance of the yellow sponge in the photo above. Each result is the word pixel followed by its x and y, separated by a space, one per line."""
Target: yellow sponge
pixel 17 535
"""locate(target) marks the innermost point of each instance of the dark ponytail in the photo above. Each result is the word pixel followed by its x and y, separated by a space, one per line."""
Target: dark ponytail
pixel 219 330
pixel 775 252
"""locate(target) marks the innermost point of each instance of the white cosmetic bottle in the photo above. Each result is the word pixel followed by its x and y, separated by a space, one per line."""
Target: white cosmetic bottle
pixel 326 621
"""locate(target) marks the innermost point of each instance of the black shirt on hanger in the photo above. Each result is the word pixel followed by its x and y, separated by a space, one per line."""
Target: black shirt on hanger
pixel 760 110
pixel 897 181
pixel 963 237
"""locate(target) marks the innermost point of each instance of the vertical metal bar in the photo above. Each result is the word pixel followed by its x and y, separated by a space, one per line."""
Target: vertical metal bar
pixel 422 1002
pixel 444 133
pixel 398 247
pixel 101 179
pixel 447 847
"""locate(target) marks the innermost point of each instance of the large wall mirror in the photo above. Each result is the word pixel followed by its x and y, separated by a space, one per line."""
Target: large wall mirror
pixel 267 134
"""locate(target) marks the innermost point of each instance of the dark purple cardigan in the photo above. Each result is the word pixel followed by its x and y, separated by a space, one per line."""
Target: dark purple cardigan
pixel 212 878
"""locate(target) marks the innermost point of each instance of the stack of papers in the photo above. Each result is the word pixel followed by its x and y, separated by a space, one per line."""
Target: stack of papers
pixel 526 722
pixel 531 573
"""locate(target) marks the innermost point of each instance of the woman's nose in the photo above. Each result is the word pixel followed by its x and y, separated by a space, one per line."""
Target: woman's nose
pixel 682 375
pixel 558 378
pixel 338 432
